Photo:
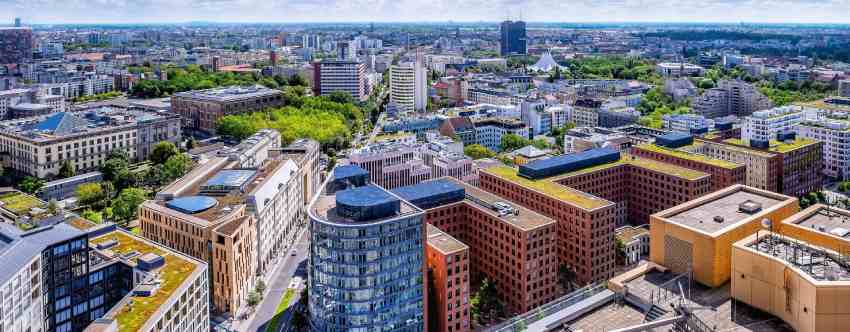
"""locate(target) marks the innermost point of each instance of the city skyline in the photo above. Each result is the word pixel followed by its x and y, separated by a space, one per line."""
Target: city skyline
pixel 650 11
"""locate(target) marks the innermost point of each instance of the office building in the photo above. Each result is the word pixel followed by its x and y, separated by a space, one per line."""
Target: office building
pixel 393 164
pixel 730 97
pixel 591 192
pixel 16 45
pixel 365 284
pixel 22 103
pixel 340 76
pixel 792 166
pixel 723 173
pixel 674 69
pixel 448 274
pixel 513 38
pixel 200 110
pixel 312 42
pixel 765 125
pixel 17 22
pixel 306 153
pixel 66 188
pixel 844 88
pixel 39 145
pixel 586 138
pixel 834 132
pixel 408 83
pixel 489 131
pixel 698 234
pixel 510 245
pixel 687 123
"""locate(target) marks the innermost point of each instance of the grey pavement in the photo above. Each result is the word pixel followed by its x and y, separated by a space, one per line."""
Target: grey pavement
pixel 289 267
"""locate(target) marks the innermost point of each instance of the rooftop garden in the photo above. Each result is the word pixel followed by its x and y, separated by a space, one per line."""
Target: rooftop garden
pixel 132 315
pixel 784 147
pixel 689 156
pixel 546 186
pixel 20 203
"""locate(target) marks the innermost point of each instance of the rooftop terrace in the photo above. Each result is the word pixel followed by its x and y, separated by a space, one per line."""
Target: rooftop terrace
pixel 173 275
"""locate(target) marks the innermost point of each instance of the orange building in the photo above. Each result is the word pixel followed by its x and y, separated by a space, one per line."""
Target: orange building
pixel 591 192
pixel 448 271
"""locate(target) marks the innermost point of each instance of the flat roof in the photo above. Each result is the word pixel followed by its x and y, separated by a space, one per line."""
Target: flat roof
pixel 444 242
pixel 689 156
pixel 525 219
pixel 824 219
pixel 818 263
pixel 231 93
pixel 700 214
pixel 324 206
pixel 546 186
pixel 230 178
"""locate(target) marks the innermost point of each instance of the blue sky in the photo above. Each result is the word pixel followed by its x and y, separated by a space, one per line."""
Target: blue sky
pixel 143 11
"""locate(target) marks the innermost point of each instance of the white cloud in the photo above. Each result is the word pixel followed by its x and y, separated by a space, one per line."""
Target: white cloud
pixel 135 11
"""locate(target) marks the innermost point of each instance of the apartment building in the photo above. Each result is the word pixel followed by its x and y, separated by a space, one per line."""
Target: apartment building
pixel 730 97
pixel 591 192
pixel 200 110
pixel 834 133
pixel 392 296
pixel 448 273
pixel 39 145
pixel 510 245
pixel 766 125
pixel 408 83
pixel 340 76
pixel 673 69
pixel 306 153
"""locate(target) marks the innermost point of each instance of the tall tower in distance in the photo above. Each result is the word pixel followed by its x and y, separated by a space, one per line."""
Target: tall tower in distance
pixel 513 41
pixel 17 22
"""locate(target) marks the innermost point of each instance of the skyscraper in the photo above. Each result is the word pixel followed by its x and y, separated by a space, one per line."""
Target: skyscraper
pixel 513 38
pixel 408 84
pixel 17 22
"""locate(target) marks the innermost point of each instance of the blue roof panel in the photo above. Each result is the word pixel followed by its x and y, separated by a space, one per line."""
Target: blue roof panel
pixel 191 204
pixel 567 163
pixel 230 178
pixel 347 171
pixel 429 194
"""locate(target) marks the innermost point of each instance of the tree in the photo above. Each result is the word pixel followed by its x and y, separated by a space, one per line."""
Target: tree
pixel 260 287
pixel 52 206
pixel 485 303
pixel 477 151
pixel 512 142
pixel 92 216
pixel 162 151
pixel 30 185
pixel 706 83
pixel 621 251
pixel 125 206
pixel 113 168
pixel 541 144
pixel 297 80
pixel 191 143
pixel 253 299
pixel 177 166
pixel 67 169
pixel 341 97
pixel 90 193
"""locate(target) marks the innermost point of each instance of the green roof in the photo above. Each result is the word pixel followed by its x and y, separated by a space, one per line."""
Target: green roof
pixel 784 147
pixel 546 186
pixel 20 203
pixel 689 156
pixel 584 200
pixel 173 274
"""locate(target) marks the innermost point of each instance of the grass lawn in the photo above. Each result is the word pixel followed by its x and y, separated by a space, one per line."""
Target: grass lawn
pixel 274 324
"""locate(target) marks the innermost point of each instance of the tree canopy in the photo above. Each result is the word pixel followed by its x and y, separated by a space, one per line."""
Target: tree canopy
pixel 125 206
pixel 512 142
pixel 162 151
pixel 477 151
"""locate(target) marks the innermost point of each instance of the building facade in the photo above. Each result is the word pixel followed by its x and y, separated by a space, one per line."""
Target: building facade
pixel 200 110
pixel 340 76
pixel 513 38
pixel 16 45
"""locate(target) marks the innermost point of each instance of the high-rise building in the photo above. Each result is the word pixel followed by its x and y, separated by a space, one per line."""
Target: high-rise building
pixel 367 258
pixel 312 42
pixel 342 76
pixel 513 41
pixel 408 84
pixel 16 45
pixel 17 22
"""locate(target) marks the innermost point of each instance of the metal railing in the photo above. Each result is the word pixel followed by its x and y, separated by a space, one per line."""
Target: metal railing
pixel 518 323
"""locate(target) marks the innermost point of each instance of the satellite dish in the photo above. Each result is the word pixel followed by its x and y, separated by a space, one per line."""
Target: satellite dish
pixel 766 223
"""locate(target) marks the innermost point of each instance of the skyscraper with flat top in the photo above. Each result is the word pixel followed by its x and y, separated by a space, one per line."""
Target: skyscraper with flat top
pixel 513 38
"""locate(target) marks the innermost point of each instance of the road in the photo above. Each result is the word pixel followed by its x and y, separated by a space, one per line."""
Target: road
pixel 291 266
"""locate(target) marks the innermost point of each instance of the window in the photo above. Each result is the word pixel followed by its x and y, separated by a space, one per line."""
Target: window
pixel 63 303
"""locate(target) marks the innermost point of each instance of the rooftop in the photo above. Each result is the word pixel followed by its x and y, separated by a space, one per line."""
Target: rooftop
pixel 628 234
pixel 87 122
pixel 172 275
pixel 231 93
pixel 725 208
pixel 443 242
pixel 824 219
pixel 19 203
pixel 816 262
pixel 775 146
pixel 546 186
pixel 689 156
pixel 522 217
pixel 359 205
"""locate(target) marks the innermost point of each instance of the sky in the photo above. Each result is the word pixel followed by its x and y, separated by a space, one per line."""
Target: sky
pixel 294 11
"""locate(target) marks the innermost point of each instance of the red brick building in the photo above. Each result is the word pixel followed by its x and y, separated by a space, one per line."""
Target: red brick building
pixel 510 245
pixel 448 273
pixel 589 199
pixel 723 173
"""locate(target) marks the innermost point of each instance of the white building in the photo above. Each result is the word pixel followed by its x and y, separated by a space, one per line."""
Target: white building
pixel 342 76
pixel 408 86
pixel 635 242
pixel 671 69
pixel 765 125
pixel 835 134
pixel 489 132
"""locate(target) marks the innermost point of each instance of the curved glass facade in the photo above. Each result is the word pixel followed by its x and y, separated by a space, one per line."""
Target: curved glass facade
pixel 367 276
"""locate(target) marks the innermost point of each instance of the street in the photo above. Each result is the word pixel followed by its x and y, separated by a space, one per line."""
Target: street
pixel 280 281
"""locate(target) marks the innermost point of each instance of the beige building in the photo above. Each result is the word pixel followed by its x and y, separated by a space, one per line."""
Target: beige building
pixel 699 234
pixel 39 145
pixel 806 286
